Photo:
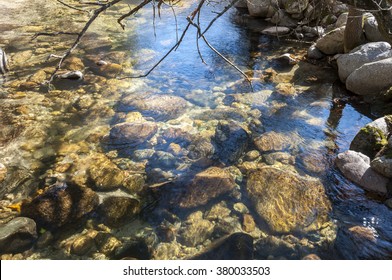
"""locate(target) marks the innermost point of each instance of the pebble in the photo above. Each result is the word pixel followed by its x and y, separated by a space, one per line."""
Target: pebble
pixel 72 75
pixel 3 172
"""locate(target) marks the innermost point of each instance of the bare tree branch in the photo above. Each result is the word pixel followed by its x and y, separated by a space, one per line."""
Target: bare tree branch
pixel 221 55
pixel 231 4
pixel 96 13
pixel 131 12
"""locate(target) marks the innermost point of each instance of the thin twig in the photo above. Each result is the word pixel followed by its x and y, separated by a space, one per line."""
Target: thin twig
pixel 131 12
pixel 221 55
pixel 96 13
pixel 232 3
pixel 53 34
pixel 173 48
pixel 197 38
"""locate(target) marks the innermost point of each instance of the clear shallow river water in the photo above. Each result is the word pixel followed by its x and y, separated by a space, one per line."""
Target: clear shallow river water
pixel 67 135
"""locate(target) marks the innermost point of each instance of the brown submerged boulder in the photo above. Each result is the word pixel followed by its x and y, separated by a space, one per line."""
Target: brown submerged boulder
pixel 288 202
pixel 60 205
pixel 206 186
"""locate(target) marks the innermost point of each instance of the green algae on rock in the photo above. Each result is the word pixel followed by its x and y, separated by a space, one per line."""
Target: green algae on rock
pixel 288 202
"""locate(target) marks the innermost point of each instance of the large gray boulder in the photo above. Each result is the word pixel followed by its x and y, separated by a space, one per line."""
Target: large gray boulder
pixel 371 78
pixel 348 63
pixel 356 167
pixel 370 26
pixel 332 42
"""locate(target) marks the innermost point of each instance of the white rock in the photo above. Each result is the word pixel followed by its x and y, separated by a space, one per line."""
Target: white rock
pixel 276 30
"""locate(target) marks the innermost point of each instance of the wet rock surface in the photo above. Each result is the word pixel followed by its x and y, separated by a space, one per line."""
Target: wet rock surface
pixel 60 205
pixel 17 235
pixel 231 141
pixel 371 138
pixel 272 188
pixel 3 172
pixel 116 211
pixel 356 167
pixel 238 246
pixel 160 107
pixel 131 134
pixel 206 186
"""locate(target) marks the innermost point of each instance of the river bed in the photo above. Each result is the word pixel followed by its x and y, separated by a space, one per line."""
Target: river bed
pixel 188 162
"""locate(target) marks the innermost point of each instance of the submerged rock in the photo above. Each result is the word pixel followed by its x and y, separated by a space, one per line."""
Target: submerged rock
pixel 73 63
pixel 117 210
pixel 60 205
pixel 237 246
pixel 206 186
pixel 73 75
pixel 196 231
pixel 287 201
pixel 131 134
pixel 231 141
pixel 17 235
pixel 371 78
pixel 103 174
pixel 348 63
pixel 332 42
pixel 371 138
pixel 3 172
pixel 356 167
pixel 160 107
pixel 82 244
pixel 272 141
pixel 201 148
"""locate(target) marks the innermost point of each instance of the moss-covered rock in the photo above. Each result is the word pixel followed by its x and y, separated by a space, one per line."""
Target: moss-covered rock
pixel 287 201
pixel 371 138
